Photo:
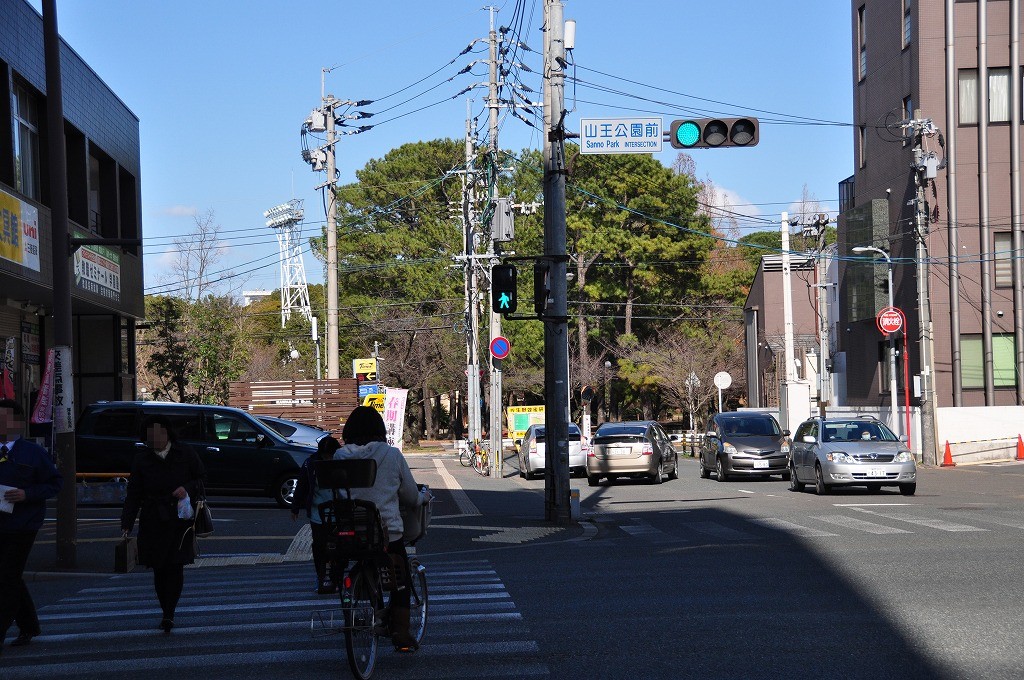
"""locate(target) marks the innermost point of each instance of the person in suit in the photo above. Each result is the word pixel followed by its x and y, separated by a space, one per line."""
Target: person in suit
pixel 164 472
pixel 28 470
pixel 309 496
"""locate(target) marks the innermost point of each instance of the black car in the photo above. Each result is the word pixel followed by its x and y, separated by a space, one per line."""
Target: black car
pixel 745 444
pixel 242 455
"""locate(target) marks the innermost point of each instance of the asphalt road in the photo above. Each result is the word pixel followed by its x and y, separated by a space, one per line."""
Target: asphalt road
pixel 691 578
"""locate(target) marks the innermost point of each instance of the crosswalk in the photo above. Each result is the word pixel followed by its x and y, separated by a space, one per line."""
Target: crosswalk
pixel 254 621
pixel 844 520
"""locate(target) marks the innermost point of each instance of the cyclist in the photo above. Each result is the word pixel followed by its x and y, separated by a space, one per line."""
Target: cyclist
pixel 366 437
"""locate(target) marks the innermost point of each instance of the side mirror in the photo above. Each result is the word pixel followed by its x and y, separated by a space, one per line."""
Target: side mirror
pixel 711 435
pixel 808 439
pixel 903 437
pixel 786 433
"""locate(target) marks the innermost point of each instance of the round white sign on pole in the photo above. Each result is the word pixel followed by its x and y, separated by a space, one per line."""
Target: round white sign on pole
pixel 723 380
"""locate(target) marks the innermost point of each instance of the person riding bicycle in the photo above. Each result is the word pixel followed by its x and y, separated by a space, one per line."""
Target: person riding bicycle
pixel 365 436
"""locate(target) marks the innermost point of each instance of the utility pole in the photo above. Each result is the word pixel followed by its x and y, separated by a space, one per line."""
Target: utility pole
pixel 64 407
pixel 494 250
pixel 555 314
pixel 821 273
pixel 925 169
pixel 472 295
pixel 332 243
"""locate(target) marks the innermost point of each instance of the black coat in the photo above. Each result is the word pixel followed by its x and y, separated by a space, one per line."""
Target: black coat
pixel 164 539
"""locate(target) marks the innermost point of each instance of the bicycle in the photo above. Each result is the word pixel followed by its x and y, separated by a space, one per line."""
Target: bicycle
pixel 467 453
pixel 359 535
pixel 480 460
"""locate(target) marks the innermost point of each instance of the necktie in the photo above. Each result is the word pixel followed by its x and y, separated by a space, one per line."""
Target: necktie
pixel 3 453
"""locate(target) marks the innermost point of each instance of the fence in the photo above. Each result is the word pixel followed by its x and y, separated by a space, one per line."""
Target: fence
pixel 324 403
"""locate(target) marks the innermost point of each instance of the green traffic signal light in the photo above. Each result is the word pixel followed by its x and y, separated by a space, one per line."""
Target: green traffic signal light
pixel 504 279
pixel 687 133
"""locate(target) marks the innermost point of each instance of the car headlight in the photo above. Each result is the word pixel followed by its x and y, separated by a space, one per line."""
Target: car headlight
pixel 728 448
pixel 784 448
pixel 902 457
pixel 840 457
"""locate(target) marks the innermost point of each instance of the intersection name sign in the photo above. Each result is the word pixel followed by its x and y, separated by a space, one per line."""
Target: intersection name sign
pixel 620 135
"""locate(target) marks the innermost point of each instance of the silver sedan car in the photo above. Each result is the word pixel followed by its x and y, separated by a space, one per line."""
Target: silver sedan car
pixel 850 452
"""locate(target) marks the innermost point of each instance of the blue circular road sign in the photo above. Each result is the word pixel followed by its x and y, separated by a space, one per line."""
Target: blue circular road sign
pixel 500 347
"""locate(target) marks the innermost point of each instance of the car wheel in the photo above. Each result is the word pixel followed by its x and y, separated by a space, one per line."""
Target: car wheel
pixel 593 480
pixel 874 488
pixel 284 490
pixel 704 472
pixel 908 489
pixel 656 477
pixel 675 469
pixel 794 483
pixel 820 487
pixel 720 470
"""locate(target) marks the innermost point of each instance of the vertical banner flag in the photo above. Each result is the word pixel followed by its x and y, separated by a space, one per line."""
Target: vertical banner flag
pixel 7 372
pixel 394 416
pixel 43 411
pixel 63 391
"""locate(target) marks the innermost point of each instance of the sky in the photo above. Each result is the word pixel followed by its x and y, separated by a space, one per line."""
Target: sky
pixel 221 88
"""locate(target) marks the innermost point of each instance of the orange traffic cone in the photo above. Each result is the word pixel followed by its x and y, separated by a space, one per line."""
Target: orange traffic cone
pixel 947 461
pixel 1020 448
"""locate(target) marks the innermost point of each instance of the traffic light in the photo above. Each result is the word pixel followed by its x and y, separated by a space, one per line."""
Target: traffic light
pixel 712 133
pixel 503 288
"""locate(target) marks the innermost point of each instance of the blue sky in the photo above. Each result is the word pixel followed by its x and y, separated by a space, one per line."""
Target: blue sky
pixel 221 89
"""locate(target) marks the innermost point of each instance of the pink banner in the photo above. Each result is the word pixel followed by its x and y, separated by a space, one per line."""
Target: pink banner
pixel 43 411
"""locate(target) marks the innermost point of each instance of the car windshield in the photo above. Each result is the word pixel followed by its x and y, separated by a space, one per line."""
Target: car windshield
pixel 750 427
pixel 574 433
pixel 621 431
pixel 857 430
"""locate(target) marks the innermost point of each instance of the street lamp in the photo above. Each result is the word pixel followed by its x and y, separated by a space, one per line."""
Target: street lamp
pixel 892 337
pixel 607 398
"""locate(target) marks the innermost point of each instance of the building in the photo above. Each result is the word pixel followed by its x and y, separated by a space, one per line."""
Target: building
pixel 764 324
pixel 104 201
pixel 955 62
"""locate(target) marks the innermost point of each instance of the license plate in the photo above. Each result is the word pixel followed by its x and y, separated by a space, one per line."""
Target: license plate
pixel 876 472
pixel 760 464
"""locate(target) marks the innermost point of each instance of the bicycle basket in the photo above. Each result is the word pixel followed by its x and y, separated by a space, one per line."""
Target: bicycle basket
pixel 415 520
pixel 354 528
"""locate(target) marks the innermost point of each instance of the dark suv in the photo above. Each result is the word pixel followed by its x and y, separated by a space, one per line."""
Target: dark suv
pixel 242 455
pixel 745 443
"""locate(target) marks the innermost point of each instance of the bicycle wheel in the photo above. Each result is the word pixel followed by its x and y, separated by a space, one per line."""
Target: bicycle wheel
pixel 360 601
pixel 417 600
pixel 466 457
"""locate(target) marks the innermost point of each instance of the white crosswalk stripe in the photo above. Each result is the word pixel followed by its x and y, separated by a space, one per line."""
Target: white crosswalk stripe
pixel 254 621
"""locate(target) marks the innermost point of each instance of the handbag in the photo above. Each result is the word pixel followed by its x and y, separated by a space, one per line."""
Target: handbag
pixel 202 523
pixel 126 555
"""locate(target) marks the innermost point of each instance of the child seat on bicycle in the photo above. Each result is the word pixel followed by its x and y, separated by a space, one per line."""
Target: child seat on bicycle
pixel 365 437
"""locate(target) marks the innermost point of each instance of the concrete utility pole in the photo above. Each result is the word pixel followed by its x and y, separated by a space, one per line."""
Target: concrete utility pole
pixel 472 295
pixel 925 169
pixel 555 313
pixel 494 250
pixel 821 273
pixel 63 426
pixel 332 243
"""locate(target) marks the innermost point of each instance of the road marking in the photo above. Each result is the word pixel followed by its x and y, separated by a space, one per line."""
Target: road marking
pixel 861 525
pixel 869 505
pixel 939 524
pixel 745 491
pixel 458 494
pixel 789 527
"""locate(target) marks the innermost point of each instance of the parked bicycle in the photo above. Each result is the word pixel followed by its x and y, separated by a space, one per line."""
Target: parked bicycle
pixel 480 463
pixel 467 453
pixel 358 534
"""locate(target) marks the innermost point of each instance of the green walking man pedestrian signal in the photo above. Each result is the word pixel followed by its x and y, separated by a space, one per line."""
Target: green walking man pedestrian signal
pixel 503 288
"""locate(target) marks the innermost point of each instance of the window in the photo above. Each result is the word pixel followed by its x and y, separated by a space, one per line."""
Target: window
pixel 862 146
pixel 862 64
pixel 998 95
pixel 908 108
pixel 25 107
pixel 1003 360
pixel 1003 256
pixel 94 193
pixel 907 22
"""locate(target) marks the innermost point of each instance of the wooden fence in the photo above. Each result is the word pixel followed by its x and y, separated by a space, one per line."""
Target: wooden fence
pixel 324 403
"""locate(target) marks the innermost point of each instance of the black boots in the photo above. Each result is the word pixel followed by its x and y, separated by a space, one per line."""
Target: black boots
pixel 400 636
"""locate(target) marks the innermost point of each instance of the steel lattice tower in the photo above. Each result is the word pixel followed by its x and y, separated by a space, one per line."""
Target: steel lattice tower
pixel 287 219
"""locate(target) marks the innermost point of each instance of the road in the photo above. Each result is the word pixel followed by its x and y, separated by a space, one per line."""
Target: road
pixel 692 578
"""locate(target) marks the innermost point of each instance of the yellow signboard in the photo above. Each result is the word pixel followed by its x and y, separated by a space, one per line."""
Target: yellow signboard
pixel 365 369
pixel 521 417
pixel 376 401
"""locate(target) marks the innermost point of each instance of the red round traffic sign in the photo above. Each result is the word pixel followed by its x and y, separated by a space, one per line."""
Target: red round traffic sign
pixel 890 320
pixel 500 347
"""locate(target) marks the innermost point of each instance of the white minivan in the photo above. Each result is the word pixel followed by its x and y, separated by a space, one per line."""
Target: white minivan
pixel 531 452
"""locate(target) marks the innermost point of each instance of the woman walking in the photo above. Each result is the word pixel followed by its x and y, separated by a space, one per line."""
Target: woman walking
pixel 163 473
pixel 309 495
